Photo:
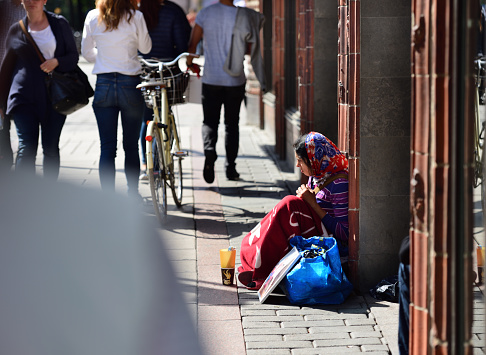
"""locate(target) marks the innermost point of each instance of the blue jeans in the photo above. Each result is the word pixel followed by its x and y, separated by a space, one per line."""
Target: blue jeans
pixel 116 94
pixel 6 154
pixel 403 310
pixel 28 120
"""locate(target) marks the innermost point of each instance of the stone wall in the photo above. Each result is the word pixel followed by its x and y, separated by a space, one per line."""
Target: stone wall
pixel 384 135
pixel 325 69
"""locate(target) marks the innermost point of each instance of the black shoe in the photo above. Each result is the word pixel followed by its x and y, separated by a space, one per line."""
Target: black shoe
pixel 208 172
pixel 232 174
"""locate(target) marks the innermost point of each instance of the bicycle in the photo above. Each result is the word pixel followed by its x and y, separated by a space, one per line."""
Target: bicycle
pixel 161 89
pixel 479 130
pixel 478 125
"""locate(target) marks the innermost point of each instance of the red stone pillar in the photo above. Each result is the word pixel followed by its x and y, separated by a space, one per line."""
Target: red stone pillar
pixel 419 194
pixel 441 169
pixel 305 63
pixel 279 75
pixel 349 52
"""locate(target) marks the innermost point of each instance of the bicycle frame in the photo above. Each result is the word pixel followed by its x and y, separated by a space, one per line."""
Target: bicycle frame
pixel 162 118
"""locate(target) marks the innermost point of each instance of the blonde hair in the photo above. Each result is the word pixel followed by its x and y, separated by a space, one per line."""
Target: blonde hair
pixel 112 11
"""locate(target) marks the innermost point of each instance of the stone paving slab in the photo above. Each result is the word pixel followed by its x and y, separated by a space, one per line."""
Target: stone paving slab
pixel 317 336
pixel 341 329
pixel 347 342
pixel 277 345
pixel 269 352
pixel 328 351
pixel 226 312
pixel 221 337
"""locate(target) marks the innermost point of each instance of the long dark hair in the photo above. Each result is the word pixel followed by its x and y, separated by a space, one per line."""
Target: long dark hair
pixel 150 10
pixel 299 147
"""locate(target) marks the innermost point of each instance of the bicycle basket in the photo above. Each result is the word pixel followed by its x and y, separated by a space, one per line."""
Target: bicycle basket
pixel 176 85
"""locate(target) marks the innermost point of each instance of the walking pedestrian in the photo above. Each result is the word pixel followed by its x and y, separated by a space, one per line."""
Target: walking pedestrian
pixel 113 34
pixel 216 25
pixel 10 12
pixel 169 30
pixel 23 93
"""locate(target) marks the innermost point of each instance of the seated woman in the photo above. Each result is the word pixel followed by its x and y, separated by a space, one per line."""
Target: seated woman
pixel 319 208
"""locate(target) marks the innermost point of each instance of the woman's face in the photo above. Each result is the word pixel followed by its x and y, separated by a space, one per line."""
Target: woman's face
pixel 304 168
pixel 33 5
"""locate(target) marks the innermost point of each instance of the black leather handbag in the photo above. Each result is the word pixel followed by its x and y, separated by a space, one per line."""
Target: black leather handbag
pixel 68 91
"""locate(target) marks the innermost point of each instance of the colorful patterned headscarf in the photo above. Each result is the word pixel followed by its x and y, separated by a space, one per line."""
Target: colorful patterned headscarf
pixel 324 157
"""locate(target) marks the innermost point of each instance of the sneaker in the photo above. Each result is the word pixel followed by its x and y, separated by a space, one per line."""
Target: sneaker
pixel 232 174
pixel 208 172
pixel 143 176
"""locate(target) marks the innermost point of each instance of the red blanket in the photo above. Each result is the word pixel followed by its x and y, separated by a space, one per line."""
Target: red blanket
pixel 268 242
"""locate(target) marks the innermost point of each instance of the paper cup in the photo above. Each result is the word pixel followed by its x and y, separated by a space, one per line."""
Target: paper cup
pixel 227 275
pixel 228 258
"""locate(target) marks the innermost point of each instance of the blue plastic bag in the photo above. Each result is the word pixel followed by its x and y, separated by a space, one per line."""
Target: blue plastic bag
pixel 318 277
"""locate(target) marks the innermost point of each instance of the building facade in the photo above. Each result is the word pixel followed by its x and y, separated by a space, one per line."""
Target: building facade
pixel 393 87
pixel 344 70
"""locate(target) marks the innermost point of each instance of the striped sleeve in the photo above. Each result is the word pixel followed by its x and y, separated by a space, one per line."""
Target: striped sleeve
pixel 334 200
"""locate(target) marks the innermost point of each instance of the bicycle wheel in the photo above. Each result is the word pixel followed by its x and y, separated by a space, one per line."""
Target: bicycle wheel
pixel 157 178
pixel 175 166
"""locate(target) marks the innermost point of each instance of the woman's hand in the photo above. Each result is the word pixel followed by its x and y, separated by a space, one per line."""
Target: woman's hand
pixel 49 65
pixel 305 193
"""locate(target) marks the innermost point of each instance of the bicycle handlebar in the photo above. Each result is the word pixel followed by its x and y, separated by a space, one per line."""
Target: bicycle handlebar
pixel 153 62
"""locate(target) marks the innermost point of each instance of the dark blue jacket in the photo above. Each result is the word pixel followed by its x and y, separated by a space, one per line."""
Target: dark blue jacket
pixel 171 35
pixel 22 82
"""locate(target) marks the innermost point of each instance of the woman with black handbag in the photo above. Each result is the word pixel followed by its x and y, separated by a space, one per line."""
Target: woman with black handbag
pixel 23 92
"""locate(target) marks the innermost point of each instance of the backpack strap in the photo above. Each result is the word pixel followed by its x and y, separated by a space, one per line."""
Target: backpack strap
pixel 328 181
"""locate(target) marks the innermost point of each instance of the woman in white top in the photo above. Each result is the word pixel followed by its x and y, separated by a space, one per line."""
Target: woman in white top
pixel 112 35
